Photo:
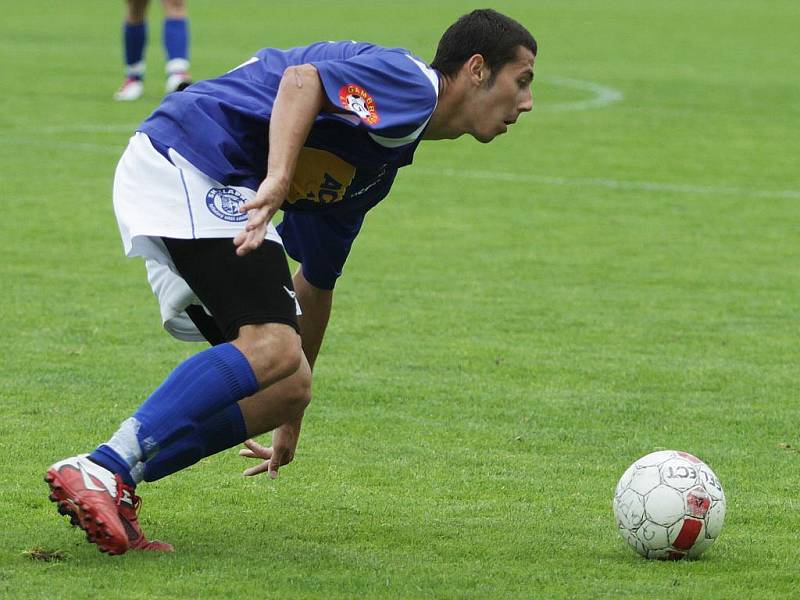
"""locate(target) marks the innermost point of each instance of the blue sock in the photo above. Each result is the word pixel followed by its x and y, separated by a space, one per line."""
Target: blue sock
pixel 104 456
pixel 176 38
pixel 219 432
pixel 196 390
pixel 135 38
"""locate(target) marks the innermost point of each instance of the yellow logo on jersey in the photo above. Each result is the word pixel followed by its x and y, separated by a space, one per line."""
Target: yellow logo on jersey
pixel 320 177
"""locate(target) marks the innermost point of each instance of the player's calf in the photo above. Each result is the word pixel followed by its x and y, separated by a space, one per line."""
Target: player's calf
pixel 279 403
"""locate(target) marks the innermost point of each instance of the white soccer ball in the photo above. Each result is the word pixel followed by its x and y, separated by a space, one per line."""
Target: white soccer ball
pixel 669 505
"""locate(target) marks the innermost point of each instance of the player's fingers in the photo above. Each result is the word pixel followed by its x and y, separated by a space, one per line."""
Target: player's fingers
pixel 259 218
pixel 256 470
pixel 252 240
pixel 242 241
pixel 257 448
pixel 239 238
pixel 276 461
pixel 250 454
pixel 255 203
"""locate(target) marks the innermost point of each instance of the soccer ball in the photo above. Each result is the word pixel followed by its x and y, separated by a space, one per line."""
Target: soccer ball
pixel 669 505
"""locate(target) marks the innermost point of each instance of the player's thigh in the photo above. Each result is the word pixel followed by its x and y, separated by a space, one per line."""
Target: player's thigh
pixel 254 289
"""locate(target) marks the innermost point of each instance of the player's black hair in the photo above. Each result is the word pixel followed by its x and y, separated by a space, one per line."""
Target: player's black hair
pixel 487 32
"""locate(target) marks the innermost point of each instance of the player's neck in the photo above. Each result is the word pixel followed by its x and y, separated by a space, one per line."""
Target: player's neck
pixel 447 121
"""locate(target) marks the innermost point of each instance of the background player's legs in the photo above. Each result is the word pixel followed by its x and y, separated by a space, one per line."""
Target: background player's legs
pixel 176 45
pixel 134 36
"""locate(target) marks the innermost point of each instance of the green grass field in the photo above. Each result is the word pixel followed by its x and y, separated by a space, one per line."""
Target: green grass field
pixel 516 324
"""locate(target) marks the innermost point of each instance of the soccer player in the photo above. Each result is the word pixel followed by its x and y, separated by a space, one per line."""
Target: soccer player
pixel 318 131
pixel 175 35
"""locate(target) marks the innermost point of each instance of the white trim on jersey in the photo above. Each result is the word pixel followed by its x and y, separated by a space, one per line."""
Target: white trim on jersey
pixel 388 142
pixel 429 73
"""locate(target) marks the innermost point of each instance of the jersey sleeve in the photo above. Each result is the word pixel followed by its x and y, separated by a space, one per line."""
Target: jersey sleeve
pixel 320 243
pixel 390 93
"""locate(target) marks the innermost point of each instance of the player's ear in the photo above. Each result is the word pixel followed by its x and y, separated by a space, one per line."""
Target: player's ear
pixel 477 69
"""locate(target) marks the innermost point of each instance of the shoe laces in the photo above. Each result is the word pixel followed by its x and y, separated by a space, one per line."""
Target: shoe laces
pixel 136 501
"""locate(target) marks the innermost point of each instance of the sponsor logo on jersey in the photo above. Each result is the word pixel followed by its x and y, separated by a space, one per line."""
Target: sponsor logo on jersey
pixel 224 204
pixel 358 100
pixel 320 177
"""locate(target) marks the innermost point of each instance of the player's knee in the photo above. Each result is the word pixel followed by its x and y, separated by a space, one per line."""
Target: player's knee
pixel 300 395
pixel 174 8
pixel 273 350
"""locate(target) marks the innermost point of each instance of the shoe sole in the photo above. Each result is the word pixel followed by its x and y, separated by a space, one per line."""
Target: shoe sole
pixel 152 546
pixel 81 515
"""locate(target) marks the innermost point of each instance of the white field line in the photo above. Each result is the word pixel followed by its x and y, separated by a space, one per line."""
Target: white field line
pixel 56 144
pixel 617 184
pixel 87 128
pixel 489 176
pixel 603 95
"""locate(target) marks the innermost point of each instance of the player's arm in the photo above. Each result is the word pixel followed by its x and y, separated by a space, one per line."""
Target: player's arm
pixel 316 304
pixel 299 100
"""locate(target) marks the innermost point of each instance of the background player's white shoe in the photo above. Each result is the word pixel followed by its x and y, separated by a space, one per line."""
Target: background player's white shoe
pixel 131 89
pixel 177 82
pixel 178 78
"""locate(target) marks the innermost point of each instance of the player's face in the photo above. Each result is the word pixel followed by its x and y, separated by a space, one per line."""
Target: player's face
pixel 497 106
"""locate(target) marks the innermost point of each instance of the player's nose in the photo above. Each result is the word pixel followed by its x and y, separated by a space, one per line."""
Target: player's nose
pixel 526 103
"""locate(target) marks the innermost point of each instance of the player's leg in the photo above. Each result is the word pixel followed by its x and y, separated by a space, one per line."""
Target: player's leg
pixel 252 302
pixel 176 45
pixel 252 416
pixel 134 37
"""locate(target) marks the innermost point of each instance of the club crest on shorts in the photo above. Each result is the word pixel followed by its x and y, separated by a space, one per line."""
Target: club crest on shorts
pixel 224 204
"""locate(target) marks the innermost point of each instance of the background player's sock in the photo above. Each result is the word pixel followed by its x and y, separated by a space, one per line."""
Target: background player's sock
pixel 135 38
pixel 176 39
pixel 196 390
pixel 176 45
pixel 219 432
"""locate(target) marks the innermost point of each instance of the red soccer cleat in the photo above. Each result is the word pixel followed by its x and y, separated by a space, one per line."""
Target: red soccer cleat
pixel 128 511
pixel 88 494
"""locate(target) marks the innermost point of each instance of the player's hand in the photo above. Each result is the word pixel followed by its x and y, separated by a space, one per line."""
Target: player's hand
pixel 284 443
pixel 260 210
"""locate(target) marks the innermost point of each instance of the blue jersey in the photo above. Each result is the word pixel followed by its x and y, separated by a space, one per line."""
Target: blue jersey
pixel 350 158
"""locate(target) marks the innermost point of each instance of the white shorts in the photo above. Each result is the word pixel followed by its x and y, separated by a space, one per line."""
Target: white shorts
pixel 155 198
